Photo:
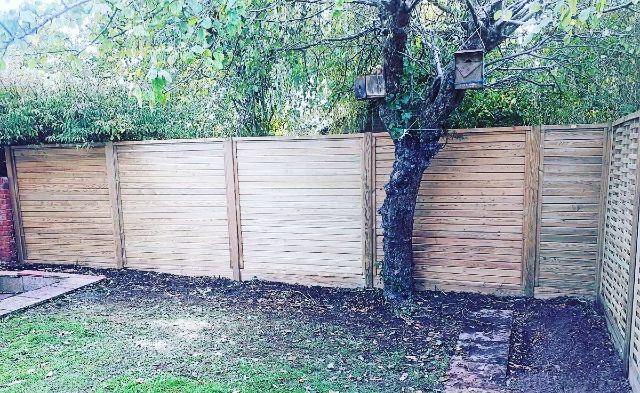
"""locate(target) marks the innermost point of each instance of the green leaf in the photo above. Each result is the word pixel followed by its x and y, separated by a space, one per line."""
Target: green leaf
pixel 173 57
pixel 152 74
pixel 206 23
pixel 217 65
pixel 176 7
pixel 585 14
pixel 164 74
pixel 32 63
pixel 218 56
pixel 197 49
pixel 534 7
pixel 158 84
pixel 195 6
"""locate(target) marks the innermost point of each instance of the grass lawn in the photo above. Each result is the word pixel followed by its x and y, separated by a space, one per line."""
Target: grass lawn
pixel 128 335
pixel 146 332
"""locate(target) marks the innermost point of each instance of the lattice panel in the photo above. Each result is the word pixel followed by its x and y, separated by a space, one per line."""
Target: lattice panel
pixel 632 127
pixel 618 236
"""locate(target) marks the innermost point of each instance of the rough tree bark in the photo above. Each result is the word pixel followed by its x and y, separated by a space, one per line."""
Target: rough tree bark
pixel 412 158
pixel 415 148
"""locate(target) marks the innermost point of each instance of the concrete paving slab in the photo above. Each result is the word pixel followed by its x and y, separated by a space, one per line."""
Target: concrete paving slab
pixel 41 287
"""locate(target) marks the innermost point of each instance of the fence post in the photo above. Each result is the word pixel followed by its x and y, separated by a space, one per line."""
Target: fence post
pixel 15 203
pixel 368 207
pixel 604 193
pixel 632 268
pixel 113 180
pixel 233 207
pixel 531 208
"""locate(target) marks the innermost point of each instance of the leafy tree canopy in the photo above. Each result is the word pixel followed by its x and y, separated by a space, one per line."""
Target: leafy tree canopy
pixel 108 70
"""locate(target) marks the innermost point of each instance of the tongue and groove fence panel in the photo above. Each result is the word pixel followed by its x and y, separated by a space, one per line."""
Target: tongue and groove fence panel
pixel 304 209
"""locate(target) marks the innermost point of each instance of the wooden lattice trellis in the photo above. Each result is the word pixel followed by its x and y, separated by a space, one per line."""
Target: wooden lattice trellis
pixel 620 232
pixel 630 127
pixel 616 259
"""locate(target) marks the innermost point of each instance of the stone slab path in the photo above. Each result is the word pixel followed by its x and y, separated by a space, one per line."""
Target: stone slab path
pixel 481 360
pixel 57 284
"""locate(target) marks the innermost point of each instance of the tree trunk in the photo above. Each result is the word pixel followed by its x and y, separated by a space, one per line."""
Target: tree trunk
pixel 412 158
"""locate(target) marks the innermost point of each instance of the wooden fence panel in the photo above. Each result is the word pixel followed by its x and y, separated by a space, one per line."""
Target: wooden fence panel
pixel 468 227
pixel 630 126
pixel 619 239
pixel 174 207
pixel 65 207
pixel 301 210
pixel 301 207
pixel 571 181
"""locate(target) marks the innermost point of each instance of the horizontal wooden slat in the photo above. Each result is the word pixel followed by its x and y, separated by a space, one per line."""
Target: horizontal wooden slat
pixel 301 209
pixel 469 213
pixel 174 209
pixel 571 190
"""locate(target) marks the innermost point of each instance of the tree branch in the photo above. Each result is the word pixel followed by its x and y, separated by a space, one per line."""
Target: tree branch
pixel 43 22
pixel 628 4
pixel 324 41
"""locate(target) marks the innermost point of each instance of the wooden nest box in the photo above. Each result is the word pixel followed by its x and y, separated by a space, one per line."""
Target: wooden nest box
pixel 369 87
pixel 469 69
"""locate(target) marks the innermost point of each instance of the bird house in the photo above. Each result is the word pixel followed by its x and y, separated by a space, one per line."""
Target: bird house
pixel 369 86
pixel 469 69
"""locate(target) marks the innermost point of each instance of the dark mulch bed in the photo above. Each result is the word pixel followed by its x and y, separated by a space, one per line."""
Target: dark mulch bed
pixel 562 345
pixel 557 345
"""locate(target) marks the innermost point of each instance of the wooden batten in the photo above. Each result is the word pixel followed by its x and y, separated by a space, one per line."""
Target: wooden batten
pixel 111 156
pixel 233 207
pixel 531 207
pixel 539 208
pixel 377 241
pixel 633 258
pixel 15 204
pixel 606 161
pixel 368 216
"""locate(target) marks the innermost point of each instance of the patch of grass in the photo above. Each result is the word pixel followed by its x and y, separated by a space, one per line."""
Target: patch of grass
pixel 38 350
pixel 161 384
pixel 251 378
pixel 161 345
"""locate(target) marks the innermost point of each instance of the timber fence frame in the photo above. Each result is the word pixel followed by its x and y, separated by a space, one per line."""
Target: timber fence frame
pixel 265 204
